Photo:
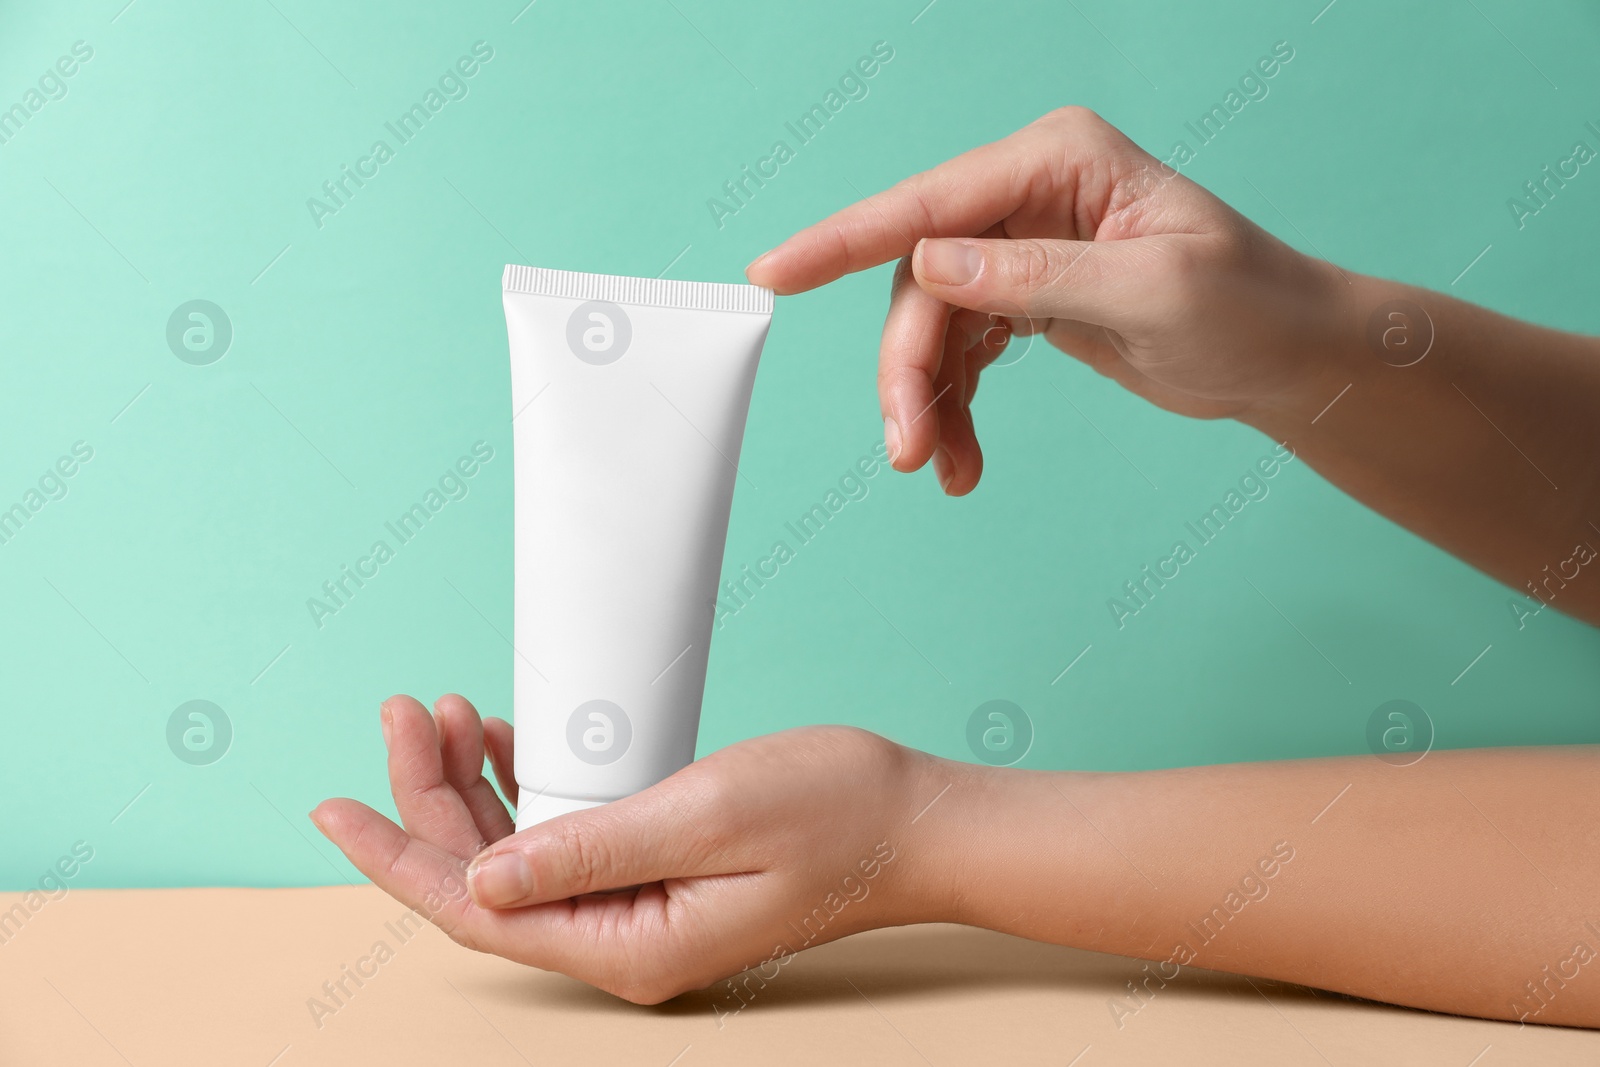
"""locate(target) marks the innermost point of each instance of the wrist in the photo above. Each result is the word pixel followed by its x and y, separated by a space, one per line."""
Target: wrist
pixel 1329 345
pixel 1029 853
pixel 990 846
pixel 943 799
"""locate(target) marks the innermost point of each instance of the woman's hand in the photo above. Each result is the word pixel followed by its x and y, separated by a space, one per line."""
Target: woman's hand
pixel 739 860
pixel 1069 229
pixel 1295 870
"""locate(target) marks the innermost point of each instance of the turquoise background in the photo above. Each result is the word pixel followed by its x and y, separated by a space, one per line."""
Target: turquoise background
pixel 369 353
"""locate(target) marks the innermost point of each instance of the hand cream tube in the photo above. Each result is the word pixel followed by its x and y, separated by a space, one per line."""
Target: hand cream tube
pixel 628 399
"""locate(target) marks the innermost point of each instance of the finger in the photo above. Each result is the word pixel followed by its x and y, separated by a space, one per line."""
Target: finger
pixel 429 806
pixel 976 359
pixel 587 939
pixel 1069 154
pixel 1108 283
pixel 970 326
pixel 910 353
pixel 497 738
pixel 663 832
pixel 987 337
pixel 957 461
pixel 461 743
pixel 418 874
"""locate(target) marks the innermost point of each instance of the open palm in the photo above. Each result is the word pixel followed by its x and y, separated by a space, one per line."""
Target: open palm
pixel 720 867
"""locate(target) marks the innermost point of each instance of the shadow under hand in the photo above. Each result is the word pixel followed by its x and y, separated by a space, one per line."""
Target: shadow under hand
pixel 883 966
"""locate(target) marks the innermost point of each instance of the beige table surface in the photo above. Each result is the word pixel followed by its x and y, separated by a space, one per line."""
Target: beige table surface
pixel 224 976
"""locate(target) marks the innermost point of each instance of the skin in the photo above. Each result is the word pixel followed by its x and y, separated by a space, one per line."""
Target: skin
pixel 1460 883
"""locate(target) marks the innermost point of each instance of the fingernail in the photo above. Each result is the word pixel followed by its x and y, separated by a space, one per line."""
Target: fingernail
pixel 943 468
pixel 312 815
pixel 891 439
pixel 950 262
pixel 386 719
pixel 503 878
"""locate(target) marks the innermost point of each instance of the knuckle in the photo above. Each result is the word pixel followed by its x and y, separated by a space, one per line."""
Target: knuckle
pixel 459 933
pixel 1178 272
pixel 712 807
pixel 864 751
pixel 881 754
pixel 1073 115
pixel 716 809
pixel 1032 265
pixel 893 377
pixel 912 190
pixel 444 908
pixel 584 854
pixel 903 277
pixel 1041 265
pixel 843 244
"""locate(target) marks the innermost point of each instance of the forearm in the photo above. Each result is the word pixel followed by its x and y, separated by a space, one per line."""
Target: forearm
pixel 1450 884
pixel 1488 446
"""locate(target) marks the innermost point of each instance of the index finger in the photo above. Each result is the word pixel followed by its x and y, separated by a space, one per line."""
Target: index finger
pixel 419 874
pixel 962 197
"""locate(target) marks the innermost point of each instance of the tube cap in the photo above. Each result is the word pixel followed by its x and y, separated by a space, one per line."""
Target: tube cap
pixel 544 807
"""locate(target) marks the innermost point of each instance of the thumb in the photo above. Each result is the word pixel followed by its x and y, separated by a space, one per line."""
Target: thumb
pixel 1103 282
pixel 625 843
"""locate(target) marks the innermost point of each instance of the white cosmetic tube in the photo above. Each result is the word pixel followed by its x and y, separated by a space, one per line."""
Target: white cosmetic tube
pixel 628 400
